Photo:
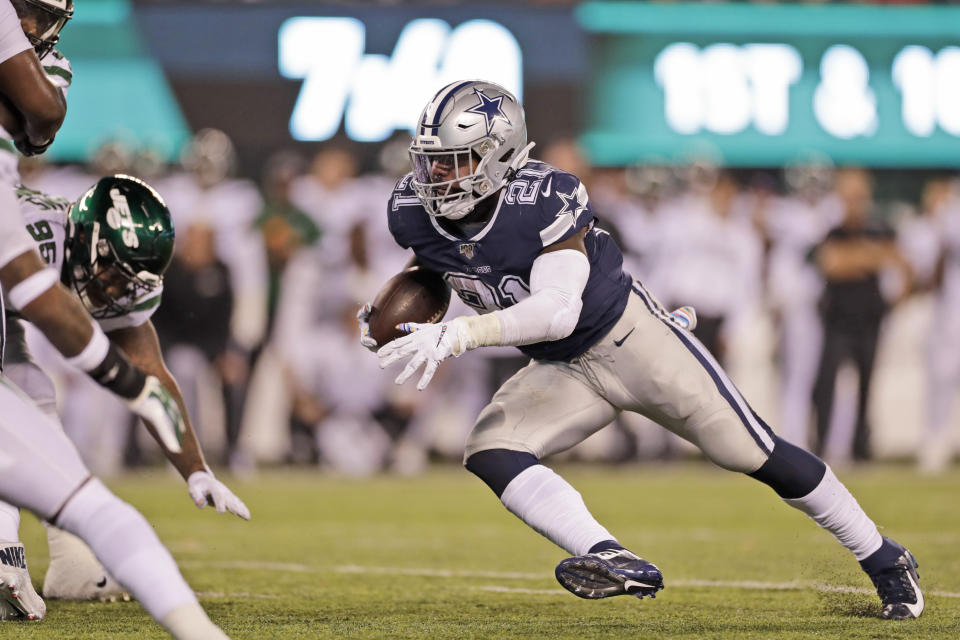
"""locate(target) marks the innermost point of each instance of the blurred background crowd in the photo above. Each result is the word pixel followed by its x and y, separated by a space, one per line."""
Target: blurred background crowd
pixel 826 276
pixel 258 314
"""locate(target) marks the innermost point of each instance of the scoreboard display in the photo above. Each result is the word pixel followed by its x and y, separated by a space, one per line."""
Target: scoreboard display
pixel 759 85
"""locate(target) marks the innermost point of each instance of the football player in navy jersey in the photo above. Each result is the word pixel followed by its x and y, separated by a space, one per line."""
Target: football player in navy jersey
pixel 518 241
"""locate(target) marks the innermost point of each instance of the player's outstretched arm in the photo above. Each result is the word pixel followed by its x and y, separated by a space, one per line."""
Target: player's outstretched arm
pixel 37 293
pixel 141 345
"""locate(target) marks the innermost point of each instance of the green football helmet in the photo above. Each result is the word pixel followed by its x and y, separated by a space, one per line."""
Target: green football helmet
pixel 119 243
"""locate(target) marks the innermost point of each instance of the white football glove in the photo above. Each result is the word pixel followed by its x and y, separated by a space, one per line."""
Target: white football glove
pixel 157 406
pixel 363 317
pixel 205 489
pixel 428 344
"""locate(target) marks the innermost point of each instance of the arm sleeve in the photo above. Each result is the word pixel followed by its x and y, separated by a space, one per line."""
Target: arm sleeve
pixel 557 281
pixel 12 39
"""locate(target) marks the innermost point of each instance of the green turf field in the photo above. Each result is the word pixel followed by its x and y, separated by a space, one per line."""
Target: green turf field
pixel 438 557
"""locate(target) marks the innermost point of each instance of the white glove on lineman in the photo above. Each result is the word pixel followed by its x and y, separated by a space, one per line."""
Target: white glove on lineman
pixel 426 343
pixel 363 317
pixel 205 489
pixel 157 406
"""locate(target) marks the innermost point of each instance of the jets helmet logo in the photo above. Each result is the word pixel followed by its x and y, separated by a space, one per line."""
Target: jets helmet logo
pixel 490 108
pixel 119 217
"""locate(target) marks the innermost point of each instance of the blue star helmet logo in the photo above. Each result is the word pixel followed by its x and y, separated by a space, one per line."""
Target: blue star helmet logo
pixel 490 109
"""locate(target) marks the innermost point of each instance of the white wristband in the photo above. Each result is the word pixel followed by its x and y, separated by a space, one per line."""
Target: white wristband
pixel 94 353
pixel 482 331
pixel 32 287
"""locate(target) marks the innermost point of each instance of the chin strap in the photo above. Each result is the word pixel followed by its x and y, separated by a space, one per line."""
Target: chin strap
pixel 522 157
pixel 519 160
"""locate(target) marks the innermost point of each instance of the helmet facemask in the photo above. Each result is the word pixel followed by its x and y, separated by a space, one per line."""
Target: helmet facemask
pixel 42 22
pixel 450 182
pixel 108 287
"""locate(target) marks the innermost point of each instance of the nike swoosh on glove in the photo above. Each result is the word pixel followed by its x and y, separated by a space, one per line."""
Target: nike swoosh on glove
pixel 205 489
pixel 426 344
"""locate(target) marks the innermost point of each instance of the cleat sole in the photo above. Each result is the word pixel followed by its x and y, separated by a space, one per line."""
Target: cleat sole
pixel 593 580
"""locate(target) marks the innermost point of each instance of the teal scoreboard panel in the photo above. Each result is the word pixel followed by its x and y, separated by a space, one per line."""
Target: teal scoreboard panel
pixel 764 85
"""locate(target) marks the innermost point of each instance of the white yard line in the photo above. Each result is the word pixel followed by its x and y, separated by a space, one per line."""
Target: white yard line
pixel 515 575
pixel 724 584
pixel 220 594
pixel 539 592
pixel 292 567
pixel 438 573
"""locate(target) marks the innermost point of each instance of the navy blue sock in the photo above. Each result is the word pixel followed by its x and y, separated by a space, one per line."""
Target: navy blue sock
pixel 497 467
pixel 883 557
pixel 790 471
pixel 606 545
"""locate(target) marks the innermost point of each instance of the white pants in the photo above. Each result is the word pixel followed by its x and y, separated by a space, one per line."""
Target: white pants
pixel 35 384
pixel 802 336
pixel 646 364
pixel 943 368
pixel 39 466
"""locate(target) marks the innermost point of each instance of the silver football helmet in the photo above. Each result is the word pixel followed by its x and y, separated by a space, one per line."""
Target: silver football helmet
pixel 470 140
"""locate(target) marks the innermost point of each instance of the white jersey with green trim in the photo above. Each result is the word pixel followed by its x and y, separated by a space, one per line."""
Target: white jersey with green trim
pixel 45 217
pixel 60 73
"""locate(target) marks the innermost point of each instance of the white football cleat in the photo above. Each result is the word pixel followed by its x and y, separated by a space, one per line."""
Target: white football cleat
pixel 76 574
pixel 18 599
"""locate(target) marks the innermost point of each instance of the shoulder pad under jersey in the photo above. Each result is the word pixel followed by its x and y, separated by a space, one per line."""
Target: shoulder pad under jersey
pixel 558 200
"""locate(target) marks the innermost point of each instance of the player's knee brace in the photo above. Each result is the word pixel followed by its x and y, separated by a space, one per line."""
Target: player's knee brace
pixel 497 467
pixel 790 471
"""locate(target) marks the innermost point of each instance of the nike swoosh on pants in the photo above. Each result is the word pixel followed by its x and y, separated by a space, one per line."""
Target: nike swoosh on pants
pixel 624 338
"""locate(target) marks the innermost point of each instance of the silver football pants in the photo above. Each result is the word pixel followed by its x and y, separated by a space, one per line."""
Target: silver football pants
pixel 646 364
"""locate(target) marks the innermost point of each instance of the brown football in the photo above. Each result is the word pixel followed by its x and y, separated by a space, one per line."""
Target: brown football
pixel 413 295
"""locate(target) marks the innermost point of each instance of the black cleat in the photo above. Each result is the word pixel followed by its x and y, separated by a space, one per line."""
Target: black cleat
pixel 612 572
pixel 898 586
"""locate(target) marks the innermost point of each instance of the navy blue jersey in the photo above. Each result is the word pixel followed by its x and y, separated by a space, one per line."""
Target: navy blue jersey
pixel 490 270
